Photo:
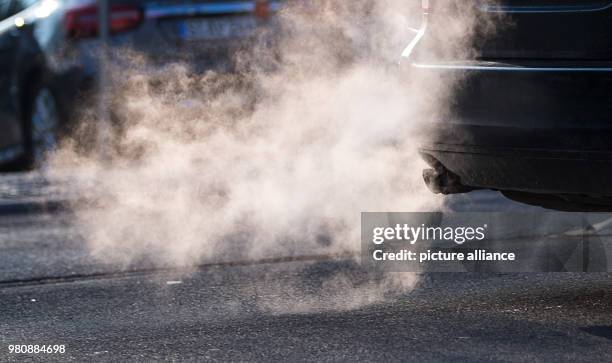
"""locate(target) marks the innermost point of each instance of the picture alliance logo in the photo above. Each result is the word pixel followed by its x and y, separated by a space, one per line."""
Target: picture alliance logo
pixel 412 234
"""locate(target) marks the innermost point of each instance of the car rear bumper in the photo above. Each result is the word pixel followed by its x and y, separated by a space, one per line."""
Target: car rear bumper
pixel 527 170
pixel 526 128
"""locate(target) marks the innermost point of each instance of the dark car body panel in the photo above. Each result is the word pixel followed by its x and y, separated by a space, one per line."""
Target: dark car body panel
pixel 532 113
pixel 9 110
pixel 21 60
pixel 550 29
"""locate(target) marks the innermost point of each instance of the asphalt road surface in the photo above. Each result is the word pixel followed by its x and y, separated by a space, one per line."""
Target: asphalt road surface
pixel 306 309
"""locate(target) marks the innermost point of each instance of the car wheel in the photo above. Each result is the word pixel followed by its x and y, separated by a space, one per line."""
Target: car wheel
pixel 43 122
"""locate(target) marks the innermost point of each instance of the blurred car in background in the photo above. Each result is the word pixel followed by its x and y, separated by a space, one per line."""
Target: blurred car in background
pixel 29 109
pixel 49 51
pixel 532 114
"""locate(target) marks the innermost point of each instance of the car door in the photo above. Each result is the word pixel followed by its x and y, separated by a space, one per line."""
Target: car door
pixel 10 125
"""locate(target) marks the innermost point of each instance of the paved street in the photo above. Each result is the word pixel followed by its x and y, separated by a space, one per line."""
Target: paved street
pixel 305 308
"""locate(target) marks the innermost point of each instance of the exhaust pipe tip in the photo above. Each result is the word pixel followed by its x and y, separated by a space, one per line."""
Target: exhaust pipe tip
pixel 440 180
pixel 433 180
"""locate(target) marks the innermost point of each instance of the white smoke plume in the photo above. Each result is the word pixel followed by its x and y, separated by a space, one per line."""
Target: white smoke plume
pixel 277 158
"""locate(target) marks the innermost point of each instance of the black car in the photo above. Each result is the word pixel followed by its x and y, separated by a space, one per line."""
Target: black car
pixel 531 115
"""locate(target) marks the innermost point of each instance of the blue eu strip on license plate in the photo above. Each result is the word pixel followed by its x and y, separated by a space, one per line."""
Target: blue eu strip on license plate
pixel 217 28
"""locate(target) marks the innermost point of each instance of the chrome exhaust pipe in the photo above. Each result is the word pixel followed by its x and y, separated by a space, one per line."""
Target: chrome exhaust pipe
pixel 440 180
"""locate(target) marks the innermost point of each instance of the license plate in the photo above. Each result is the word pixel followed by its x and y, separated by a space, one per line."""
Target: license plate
pixel 218 28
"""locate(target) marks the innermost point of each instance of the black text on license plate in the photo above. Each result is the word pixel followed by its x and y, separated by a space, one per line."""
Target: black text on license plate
pixel 218 28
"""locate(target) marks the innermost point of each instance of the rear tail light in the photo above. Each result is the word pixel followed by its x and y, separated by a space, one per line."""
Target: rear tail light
pixel 82 22
pixel 262 9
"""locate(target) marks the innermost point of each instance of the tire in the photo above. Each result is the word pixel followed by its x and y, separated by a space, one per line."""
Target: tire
pixel 42 123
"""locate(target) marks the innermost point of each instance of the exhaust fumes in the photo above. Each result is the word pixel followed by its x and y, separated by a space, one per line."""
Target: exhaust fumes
pixel 316 124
